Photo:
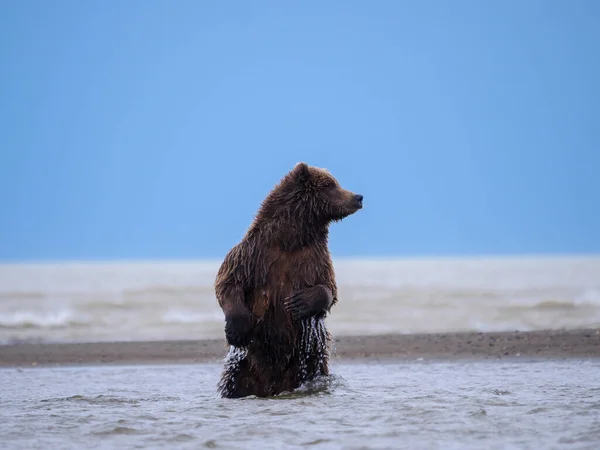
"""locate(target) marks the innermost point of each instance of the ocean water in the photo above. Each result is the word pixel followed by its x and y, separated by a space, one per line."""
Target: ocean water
pixel 171 300
pixel 417 405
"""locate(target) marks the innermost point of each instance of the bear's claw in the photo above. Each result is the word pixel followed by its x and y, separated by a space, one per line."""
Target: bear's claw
pixel 299 305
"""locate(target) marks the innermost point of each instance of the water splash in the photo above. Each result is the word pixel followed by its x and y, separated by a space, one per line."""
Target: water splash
pixel 231 369
pixel 304 339
pixel 317 386
pixel 234 357
pixel 313 348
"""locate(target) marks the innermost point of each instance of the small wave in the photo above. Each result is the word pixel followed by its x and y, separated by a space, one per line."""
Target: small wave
pixel 21 295
pixel 322 385
pixel 181 316
pixel 116 431
pixel 181 437
pixel 108 400
pixel 589 299
pixel 29 319
pixel 148 291
pixel 556 304
pixel 97 400
pixel 538 410
pixel 500 392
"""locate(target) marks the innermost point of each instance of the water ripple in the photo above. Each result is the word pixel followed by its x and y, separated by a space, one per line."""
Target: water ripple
pixel 363 405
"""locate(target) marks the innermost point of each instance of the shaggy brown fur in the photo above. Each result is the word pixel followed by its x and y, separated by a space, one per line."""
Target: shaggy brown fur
pixel 276 286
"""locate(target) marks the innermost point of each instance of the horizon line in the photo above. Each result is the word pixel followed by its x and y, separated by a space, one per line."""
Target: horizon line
pixel 196 260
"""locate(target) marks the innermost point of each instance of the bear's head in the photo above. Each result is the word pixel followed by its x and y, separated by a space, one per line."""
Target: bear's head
pixel 320 190
pixel 310 195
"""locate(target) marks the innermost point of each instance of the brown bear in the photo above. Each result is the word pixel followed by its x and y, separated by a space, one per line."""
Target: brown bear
pixel 276 286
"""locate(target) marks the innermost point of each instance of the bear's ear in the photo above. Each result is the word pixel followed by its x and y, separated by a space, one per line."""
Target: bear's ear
pixel 301 172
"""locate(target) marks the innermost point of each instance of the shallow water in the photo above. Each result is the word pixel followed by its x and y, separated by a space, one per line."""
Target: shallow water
pixel 133 301
pixel 417 405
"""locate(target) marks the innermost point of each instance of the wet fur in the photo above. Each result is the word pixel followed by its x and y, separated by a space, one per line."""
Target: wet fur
pixel 276 286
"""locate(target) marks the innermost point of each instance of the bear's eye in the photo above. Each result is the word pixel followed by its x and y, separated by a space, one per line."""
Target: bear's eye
pixel 331 190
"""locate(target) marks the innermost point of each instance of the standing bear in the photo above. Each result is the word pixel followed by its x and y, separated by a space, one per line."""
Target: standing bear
pixel 276 286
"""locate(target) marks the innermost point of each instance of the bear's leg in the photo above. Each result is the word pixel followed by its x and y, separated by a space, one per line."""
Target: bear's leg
pixel 322 347
pixel 312 351
pixel 237 379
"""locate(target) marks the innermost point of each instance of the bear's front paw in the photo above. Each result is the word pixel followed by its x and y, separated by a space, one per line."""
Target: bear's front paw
pixel 237 330
pixel 300 305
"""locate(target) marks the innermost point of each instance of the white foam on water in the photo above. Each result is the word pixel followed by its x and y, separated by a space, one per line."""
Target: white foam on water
pixel 48 319
pixel 183 316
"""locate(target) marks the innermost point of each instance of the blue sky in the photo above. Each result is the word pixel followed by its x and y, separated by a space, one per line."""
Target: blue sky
pixel 153 129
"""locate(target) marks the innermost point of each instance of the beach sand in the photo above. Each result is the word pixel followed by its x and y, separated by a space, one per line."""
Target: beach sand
pixel 550 344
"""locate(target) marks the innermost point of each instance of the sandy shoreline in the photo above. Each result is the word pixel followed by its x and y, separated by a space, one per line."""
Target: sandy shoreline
pixel 549 344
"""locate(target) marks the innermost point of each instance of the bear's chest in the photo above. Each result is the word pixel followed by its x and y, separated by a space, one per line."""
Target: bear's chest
pixel 294 271
pixel 289 272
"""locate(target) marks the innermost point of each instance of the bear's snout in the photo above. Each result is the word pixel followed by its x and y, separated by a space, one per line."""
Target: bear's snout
pixel 359 200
